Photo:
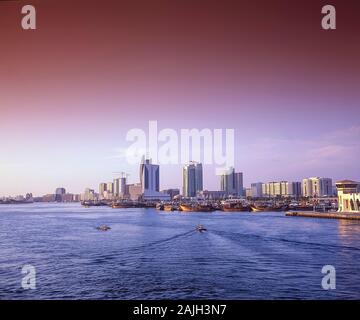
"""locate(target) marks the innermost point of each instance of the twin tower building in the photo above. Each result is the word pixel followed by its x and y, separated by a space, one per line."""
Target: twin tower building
pixel 231 182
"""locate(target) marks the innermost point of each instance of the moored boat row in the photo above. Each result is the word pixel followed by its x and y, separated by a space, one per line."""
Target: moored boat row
pixel 225 206
pixel 229 205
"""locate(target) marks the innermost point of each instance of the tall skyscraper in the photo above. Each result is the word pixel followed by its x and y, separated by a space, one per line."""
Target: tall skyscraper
pixel 198 177
pixel 120 187
pixel 231 182
pixel 150 181
pixel 149 176
pixel 227 181
pixel 102 189
pixel 239 183
pixel 59 192
pixel 192 179
pixel 110 187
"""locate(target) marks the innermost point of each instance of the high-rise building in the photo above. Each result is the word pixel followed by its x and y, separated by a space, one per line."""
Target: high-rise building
pixel 88 195
pixel 294 189
pixel 59 192
pixel 192 179
pixel 135 191
pixel 239 183
pixel 150 181
pixel 231 182
pixel 227 181
pixel 149 176
pixel 256 189
pixel 317 187
pixel 102 189
pixel 198 177
pixel 110 187
pixel 120 187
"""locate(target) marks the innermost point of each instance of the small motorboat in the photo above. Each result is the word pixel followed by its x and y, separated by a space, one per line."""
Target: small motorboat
pixel 103 228
pixel 200 228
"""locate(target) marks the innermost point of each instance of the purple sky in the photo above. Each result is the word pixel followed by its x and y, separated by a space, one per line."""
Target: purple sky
pixel 71 89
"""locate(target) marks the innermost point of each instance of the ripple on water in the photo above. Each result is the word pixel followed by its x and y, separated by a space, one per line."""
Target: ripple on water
pixel 152 255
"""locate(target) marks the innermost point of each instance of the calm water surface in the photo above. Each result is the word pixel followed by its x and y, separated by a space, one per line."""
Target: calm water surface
pixel 155 255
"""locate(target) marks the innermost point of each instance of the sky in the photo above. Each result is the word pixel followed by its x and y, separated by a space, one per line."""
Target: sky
pixel 92 70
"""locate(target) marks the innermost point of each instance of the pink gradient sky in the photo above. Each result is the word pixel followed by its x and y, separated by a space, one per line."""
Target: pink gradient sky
pixel 70 90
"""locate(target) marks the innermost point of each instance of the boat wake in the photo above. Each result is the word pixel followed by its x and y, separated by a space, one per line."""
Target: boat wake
pixel 161 241
pixel 140 248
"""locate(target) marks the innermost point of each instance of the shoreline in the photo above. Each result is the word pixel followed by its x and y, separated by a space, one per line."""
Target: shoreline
pixel 324 215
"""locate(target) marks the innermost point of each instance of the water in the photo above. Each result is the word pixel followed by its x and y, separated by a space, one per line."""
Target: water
pixel 156 255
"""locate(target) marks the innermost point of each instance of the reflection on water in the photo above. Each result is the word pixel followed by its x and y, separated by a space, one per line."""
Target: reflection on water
pixel 348 231
pixel 156 255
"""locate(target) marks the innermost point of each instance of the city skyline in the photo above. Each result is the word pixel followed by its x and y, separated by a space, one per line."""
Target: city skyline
pixel 71 91
pixel 229 181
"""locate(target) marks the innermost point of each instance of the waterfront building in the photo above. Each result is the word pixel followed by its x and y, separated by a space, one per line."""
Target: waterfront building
pixel 273 189
pixel 120 187
pixel 88 195
pixel 59 192
pixel 49 198
pixel 135 191
pixel 192 179
pixel 227 181
pixel 239 183
pixel 348 196
pixel 248 192
pixel 108 196
pixel 110 187
pixel 294 189
pixel 317 187
pixel 150 181
pixel 149 176
pixel 256 190
pixel 267 189
pixel 68 197
pixel 281 189
pixel 102 188
pixel 231 182
pixel 334 190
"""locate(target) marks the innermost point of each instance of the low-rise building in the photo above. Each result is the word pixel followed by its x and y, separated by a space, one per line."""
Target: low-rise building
pixel 348 196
